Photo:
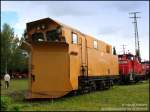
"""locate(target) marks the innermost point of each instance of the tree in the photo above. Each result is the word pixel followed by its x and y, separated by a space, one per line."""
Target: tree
pixel 114 51
pixel 12 57
pixel 18 58
pixel 7 36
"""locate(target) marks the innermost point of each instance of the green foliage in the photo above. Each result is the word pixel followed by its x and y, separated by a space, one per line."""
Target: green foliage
pixel 12 57
pixel 7 36
pixel 114 51
pixel 15 108
pixel 5 102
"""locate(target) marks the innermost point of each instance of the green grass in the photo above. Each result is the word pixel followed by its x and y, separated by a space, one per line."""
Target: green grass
pixel 116 97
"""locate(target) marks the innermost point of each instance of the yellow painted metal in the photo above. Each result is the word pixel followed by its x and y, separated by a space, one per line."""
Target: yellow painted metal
pixel 50 63
pixel 100 63
pixel 56 66
pixel 74 55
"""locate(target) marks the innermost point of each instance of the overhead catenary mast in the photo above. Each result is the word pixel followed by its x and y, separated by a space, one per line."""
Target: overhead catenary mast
pixel 123 48
pixel 137 46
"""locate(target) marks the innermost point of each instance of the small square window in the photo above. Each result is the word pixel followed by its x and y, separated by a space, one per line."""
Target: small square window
pixel 74 38
pixel 95 44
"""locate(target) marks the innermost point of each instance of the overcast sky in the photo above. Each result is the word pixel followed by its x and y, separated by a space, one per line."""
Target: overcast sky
pixel 105 20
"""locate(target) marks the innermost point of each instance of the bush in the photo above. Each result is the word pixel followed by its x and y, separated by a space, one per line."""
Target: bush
pixel 5 102
pixel 15 108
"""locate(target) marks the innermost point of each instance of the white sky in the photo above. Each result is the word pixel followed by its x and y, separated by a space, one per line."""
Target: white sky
pixel 105 20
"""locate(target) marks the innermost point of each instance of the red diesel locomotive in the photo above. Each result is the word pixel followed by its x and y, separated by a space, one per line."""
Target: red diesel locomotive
pixel 130 68
pixel 146 68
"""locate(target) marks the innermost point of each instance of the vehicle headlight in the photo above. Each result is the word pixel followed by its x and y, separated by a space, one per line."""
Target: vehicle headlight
pixel 58 31
pixel 43 27
pixel 38 28
pixel 40 40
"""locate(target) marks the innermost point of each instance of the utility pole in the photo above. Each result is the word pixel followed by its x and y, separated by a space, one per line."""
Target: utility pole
pixel 123 48
pixel 137 46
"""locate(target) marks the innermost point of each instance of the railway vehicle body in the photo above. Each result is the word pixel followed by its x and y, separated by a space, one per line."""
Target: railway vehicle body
pixel 64 60
pixel 146 68
pixel 130 68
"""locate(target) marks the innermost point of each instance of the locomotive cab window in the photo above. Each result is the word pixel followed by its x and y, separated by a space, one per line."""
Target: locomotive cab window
pixel 130 57
pixel 37 37
pixel 74 38
pixel 52 36
pixel 95 44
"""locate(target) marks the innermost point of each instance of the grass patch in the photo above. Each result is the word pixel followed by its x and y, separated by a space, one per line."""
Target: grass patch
pixel 116 97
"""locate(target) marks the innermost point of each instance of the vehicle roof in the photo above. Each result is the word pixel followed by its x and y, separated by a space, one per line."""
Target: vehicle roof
pixel 63 25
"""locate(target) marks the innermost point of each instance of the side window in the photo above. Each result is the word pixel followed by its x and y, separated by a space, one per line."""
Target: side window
pixel 74 38
pixel 95 44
